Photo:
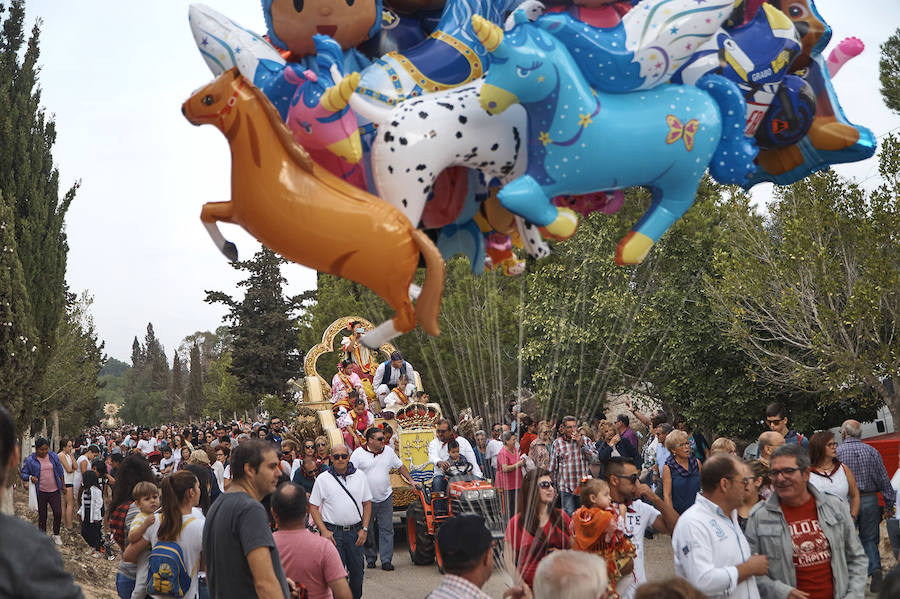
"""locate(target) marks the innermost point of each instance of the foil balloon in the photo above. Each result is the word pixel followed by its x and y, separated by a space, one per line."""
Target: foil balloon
pixel 831 137
pixel 663 138
pixel 293 206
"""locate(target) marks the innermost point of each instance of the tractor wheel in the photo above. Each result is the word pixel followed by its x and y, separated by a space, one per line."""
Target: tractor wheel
pixel 421 544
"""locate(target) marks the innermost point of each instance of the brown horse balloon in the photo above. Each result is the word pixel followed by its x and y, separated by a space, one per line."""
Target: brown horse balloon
pixel 303 212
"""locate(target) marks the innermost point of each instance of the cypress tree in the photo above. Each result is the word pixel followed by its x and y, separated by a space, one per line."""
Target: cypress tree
pixel 195 399
pixel 29 184
pixel 176 390
pixel 156 362
pixel 17 336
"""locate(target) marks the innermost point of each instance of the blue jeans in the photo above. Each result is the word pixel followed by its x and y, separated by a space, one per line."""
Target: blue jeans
pixel 202 589
pixel 380 540
pixel 438 483
pixel 351 555
pixel 124 586
pixel 569 502
pixel 869 520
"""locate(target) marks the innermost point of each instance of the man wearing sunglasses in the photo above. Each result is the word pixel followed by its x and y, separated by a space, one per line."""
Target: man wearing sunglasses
pixel 341 506
pixel 817 554
pixel 776 418
pixel 644 509
pixel 711 552
pixel 376 461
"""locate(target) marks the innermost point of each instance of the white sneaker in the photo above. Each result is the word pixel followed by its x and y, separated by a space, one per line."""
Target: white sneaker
pixel 57 540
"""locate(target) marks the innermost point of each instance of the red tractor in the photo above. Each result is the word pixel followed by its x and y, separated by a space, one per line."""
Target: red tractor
pixel 425 515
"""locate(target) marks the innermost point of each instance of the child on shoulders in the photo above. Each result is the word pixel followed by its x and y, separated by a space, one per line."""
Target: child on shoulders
pixel 599 529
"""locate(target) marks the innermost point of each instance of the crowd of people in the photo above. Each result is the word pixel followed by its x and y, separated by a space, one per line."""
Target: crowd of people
pixel 245 509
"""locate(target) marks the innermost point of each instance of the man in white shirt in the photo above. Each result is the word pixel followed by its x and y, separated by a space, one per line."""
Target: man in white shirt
pixel 494 445
pixel 388 374
pixel 377 461
pixel 147 444
pixel 439 455
pixel 711 551
pixel 341 506
pixel 644 508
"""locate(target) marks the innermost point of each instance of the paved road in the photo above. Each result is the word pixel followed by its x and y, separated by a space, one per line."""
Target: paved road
pixel 415 582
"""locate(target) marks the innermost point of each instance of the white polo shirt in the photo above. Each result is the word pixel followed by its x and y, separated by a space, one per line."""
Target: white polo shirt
pixel 709 545
pixel 437 452
pixel 377 469
pixel 335 505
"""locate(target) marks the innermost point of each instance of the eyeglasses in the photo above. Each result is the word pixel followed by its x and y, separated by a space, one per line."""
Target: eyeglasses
pixel 321 444
pixel 310 446
pixel 831 444
pixel 685 444
pixel 784 471
pixel 378 439
pixel 340 456
pixel 545 484
pixel 746 480
pixel 773 420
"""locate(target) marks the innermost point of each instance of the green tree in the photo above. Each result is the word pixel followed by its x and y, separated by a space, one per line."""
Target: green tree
pixel 889 67
pixel 114 367
pixel 137 354
pixel 156 362
pixel 70 380
pixel 263 328
pixel 222 391
pixel 17 334
pixel 195 399
pixel 29 185
pixel 812 295
pixel 176 389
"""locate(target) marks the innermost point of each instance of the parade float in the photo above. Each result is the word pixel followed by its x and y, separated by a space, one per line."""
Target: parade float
pixel 413 425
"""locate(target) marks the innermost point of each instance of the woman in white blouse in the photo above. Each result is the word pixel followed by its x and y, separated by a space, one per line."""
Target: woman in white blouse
pixel 828 473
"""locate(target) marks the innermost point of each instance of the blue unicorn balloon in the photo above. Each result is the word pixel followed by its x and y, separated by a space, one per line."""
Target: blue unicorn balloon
pixel 581 140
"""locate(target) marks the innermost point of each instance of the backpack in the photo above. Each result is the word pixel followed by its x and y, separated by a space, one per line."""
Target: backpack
pixel 167 574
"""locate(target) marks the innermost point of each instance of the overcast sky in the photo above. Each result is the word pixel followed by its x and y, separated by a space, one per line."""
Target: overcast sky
pixel 115 75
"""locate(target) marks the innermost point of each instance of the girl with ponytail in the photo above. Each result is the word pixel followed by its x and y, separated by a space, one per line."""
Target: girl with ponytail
pixel 176 523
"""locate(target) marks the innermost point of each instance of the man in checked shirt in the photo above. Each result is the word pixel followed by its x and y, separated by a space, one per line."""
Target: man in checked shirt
pixel 570 457
pixel 871 476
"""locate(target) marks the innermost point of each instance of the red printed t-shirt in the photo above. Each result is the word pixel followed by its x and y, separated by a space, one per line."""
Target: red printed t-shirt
pixel 310 560
pixel 508 480
pixel 812 553
pixel 528 552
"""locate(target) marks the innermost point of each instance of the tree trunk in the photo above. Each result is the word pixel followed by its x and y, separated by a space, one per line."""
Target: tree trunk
pixel 54 433
pixel 893 404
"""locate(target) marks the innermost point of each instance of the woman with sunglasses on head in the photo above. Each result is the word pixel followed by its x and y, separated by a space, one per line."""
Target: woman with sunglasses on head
pixel 681 472
pixel 536 529
pixel 829 474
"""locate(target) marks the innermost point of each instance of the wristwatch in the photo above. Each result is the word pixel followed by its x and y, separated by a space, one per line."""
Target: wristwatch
pixel 366 528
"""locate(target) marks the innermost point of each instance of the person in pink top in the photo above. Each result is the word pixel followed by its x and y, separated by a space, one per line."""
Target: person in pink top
pixel 43 468
pixel 510 468
pixel 307 559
